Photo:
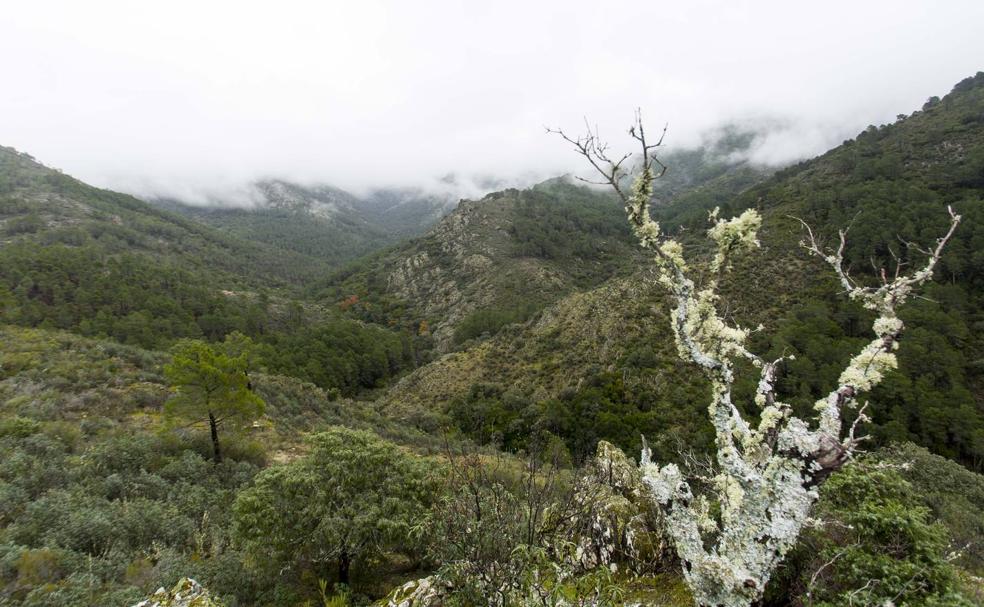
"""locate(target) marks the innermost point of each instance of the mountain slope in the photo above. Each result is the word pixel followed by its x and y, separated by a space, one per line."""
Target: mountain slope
pixel 491 262
pixel 42 205
pixel 406 212
pixel 498 260
pixel 602 364
pixel 103 263
pixel 320 222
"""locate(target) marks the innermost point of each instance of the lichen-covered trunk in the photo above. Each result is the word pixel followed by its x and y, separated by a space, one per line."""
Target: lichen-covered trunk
pixel 763 504
pixel 768 474
pixel 761 517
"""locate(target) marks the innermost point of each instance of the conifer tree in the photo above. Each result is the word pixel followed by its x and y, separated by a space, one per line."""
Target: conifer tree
pixel 211 383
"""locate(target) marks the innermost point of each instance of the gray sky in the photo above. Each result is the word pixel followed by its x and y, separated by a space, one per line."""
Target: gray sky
pixel 198 98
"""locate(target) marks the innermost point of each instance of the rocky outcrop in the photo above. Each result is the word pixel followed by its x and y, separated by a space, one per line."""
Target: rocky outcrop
pixel 425 592
pixel 612 524
pixel 186 593
pixel 620 526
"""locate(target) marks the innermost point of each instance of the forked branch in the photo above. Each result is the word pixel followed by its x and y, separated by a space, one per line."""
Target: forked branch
pixel 766 485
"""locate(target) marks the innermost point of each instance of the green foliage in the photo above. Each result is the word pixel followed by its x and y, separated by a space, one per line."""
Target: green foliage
pixel 559 222
pixel 489 321
pixel 334 241
pixel 506 528
pixel 486 414
pixel 150 305
pixel 105 521
pixel 953 495
pixel 349 498
pixel 26 224
pixel 878 545
pixel 344 355
pixel 212 383
pixel 106 505
pixel 602 408
pixel 207 379
pixel 18 427
pixel 128 297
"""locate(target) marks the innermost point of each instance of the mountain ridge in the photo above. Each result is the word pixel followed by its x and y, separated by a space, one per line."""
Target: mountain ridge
pixel 320 221
pixel 895 181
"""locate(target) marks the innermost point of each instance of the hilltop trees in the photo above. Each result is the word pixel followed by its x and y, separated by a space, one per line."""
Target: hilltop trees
pixel 732 535
pixel 211 383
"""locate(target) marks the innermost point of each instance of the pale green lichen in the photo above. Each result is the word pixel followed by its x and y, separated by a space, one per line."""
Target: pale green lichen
pixel 868 368
pixel 673 251
pixel 771 416
pixel 887 326
pixel 735 235
pixel 703 328
pixel 765 488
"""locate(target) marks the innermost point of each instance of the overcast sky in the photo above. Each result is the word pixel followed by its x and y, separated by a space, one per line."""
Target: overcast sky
pixel 198 98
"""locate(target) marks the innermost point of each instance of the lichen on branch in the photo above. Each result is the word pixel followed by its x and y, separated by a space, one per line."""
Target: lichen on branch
pixel 768 475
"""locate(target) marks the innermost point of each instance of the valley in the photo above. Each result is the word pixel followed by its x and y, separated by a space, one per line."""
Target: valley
pixel 524 331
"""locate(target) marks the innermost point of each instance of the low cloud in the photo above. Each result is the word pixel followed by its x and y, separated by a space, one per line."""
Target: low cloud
pixel 196 101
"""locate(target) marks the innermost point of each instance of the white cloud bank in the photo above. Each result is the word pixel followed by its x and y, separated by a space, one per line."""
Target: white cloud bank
pixel 196 99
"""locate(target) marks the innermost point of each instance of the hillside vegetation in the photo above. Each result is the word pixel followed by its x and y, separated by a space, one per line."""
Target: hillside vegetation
pixel 102 498
pixel 327 225
pixel 475 395
pixel 598 359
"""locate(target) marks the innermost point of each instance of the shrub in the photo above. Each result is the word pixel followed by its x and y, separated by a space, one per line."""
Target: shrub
pixel 18 427
pixel 878 545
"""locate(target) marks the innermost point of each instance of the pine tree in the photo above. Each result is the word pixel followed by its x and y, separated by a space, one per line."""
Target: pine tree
pixel 212 383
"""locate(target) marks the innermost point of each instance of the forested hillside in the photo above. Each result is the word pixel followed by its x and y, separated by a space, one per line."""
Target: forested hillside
pixel 499 260
pixel 587 369
pixel 323 223
pixel 490 263
pixel 460 414
pixel 107 265
pixel 44 206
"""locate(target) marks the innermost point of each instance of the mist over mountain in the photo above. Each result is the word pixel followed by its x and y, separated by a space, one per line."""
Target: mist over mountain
pixel 321 221
pixel 392 304
pixel 352 97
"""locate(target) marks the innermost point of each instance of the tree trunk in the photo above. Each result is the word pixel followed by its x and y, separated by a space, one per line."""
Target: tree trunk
pixel 344 563
pixel 214 426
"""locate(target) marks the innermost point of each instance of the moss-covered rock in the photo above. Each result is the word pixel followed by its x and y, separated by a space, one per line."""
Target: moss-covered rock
pixel 621 526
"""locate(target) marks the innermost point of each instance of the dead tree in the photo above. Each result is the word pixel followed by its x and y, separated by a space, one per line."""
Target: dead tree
pixel 769 471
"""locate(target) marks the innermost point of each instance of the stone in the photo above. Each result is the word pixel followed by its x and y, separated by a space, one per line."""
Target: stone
pixel 186 593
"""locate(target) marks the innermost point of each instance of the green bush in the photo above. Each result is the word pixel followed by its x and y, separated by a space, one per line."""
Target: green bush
pixel 18 427
pixel 878 545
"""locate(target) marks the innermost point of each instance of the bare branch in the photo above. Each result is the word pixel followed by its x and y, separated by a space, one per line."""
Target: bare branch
pixel 765 478
pixel 595 152
pixel 835 259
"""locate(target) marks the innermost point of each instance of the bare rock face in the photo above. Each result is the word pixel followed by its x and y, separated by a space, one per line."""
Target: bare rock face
pixel 186 593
